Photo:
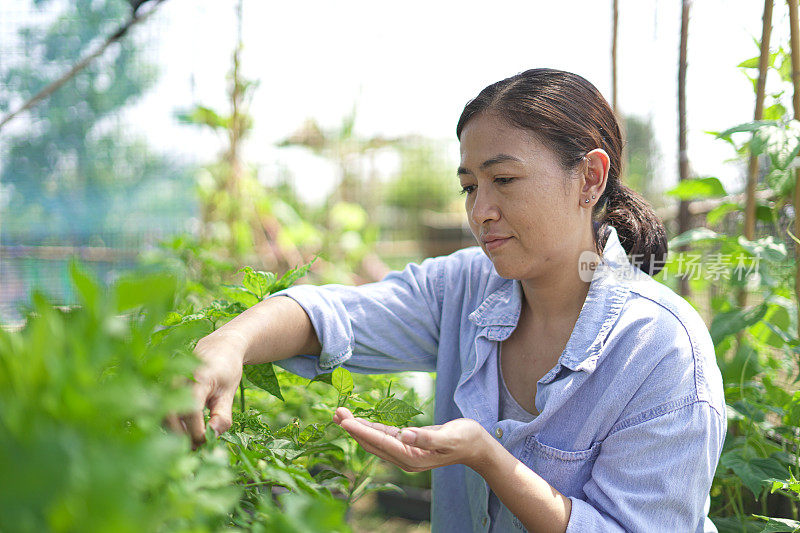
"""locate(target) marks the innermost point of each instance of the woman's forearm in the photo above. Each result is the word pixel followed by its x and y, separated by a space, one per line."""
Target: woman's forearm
pixel 530 498
pixel 274 329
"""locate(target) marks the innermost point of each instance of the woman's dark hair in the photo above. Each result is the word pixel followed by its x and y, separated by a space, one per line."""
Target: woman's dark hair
pixel 569 114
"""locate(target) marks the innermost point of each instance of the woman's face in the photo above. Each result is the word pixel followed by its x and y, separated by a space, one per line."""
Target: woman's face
pixel 523 207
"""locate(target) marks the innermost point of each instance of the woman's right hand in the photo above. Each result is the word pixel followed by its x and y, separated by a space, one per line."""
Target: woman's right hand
pixel 216 380
pixel 273 329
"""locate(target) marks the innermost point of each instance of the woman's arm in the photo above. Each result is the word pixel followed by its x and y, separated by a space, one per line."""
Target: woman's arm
pixel 391 325
pixel 271 330
pixel 274 329
pixel 536 504
pixel 533 500
pixel 654 474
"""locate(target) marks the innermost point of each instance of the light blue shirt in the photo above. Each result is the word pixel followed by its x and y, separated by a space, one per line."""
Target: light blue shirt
pixel 632 416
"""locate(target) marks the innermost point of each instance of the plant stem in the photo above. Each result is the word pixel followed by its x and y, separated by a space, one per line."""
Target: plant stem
pixel 732 501
pixel 359 480
pixel 241 396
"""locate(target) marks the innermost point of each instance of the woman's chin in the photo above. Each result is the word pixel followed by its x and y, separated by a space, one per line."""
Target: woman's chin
pixel 506 270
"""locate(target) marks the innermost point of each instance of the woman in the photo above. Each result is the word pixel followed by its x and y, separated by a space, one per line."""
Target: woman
pixel 573 392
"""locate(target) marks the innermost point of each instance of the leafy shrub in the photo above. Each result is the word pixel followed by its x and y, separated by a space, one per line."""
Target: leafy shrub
pixel 83 394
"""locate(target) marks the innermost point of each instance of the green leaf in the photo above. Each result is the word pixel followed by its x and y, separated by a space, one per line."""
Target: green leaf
pixel 258 282
pixel 694 235
pixel 697 188
pixel 764 213
pixel 290 430
pixel 240 295
pixel 749 63
pixel 780 141
pixel 288 279
pixel 781 181
pixel 732 322
pixel 204 116
pixel 718 213
pixel 777 320
pixel 746 127
pixel 766 248
pixel 263 376
pixel 775 525
pixel 785 68
pixel 748 410
pixel 393 412
pixel 342 381
pixel 310 433
pixel 301 512
pixel 326 474
pixel 140 289
pixel 87 285
pixel 172 319
pixel 792 409
pixel 323 378
pixel 754 472
pixel 775 112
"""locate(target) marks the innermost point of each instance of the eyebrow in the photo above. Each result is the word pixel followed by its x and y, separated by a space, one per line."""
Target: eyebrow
pixel 499 158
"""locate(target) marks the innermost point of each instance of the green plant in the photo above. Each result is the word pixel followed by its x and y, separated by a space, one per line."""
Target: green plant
pixel 757 347
pixel 84 391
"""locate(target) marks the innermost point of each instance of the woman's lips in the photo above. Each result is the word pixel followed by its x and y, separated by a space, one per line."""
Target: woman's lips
pixel 496 243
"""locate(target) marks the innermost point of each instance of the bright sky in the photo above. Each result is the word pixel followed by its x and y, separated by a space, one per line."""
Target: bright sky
pixel 410 67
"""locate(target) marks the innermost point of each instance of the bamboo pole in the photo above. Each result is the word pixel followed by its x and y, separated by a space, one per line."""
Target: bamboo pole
pixel 683 154
pixel 614 26
pixel 795 47
pixel 752 168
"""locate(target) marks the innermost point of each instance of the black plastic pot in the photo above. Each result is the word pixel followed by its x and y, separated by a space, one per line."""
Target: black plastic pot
pixel 414 505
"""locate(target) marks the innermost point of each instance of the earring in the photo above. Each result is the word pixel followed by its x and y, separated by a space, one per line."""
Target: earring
pixel 593 197
pixel 587 200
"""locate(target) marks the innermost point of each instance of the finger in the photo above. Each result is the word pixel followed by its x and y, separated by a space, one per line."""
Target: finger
pixel 423 438
pixel 221 417
pixel 409 464
pixel 173 423
pixel 389 430
pixel 341 413
pixel 195 427
pixel 194 420
pixel 408 436
pixel 375 438
pixel 382 454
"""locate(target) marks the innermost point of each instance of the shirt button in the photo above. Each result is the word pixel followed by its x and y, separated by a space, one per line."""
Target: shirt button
pixel 498 432
pixel 483 522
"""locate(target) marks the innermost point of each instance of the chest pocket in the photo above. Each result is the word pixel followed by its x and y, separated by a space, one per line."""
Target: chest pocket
pixel 567 471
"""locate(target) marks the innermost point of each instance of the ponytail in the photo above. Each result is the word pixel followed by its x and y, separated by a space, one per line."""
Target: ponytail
pixel 641 232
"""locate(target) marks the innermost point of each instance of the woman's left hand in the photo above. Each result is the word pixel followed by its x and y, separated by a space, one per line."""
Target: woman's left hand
pixel 419 448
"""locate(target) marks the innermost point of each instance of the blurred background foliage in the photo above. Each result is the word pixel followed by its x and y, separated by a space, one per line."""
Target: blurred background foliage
pixel 75 176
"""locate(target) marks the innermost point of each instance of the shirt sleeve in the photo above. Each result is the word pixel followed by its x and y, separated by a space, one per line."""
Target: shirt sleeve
pixel 654 475
pixel 388 326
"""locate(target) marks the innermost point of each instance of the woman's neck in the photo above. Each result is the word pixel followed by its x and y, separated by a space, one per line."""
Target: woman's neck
pixel 556 299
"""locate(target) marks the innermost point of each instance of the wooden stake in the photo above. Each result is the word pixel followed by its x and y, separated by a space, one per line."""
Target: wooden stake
pixel 683 154
pixel 795 46
pixel 614 26
pixel 752 169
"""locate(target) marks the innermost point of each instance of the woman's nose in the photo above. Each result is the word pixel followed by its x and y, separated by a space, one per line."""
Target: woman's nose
pixel 484 208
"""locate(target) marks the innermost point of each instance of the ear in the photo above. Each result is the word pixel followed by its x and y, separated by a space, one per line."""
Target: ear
pixel 595 175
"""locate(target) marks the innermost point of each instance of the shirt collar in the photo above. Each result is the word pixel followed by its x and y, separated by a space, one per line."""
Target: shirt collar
pixel 607 294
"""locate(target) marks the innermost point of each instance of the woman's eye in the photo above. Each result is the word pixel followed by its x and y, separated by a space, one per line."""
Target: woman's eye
pixel 466 189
